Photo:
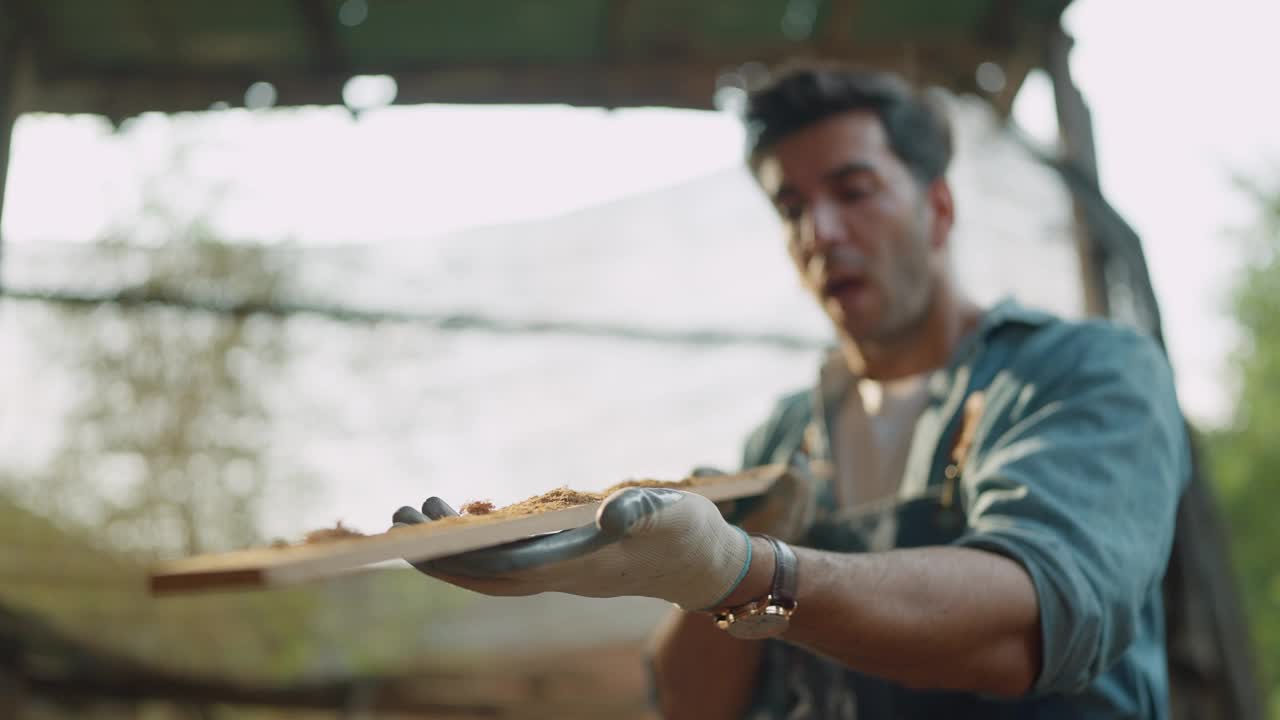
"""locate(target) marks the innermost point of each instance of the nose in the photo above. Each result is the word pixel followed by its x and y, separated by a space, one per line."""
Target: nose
pixel 821 227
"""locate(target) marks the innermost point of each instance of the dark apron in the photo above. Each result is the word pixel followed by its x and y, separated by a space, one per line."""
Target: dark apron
pixel 798 685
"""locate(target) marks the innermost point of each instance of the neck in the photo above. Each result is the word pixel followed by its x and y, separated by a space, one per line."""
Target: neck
pixel 927 346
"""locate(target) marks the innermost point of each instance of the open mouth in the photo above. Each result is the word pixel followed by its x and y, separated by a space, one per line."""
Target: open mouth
pixel 840 286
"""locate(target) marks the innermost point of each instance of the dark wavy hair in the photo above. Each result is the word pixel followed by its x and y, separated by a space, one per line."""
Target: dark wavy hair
pixel 798 96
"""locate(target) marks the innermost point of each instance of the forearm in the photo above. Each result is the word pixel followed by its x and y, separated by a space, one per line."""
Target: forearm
pixel 938 618
pixel 701 671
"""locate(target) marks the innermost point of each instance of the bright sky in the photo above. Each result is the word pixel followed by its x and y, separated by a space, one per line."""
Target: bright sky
pixel 1179 94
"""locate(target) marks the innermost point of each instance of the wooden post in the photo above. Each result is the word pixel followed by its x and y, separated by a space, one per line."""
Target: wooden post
pixel 1212 668
pixel 1212 672
pixel 8 115
pixel 1075 127
pixel 323 41
pixel 12 694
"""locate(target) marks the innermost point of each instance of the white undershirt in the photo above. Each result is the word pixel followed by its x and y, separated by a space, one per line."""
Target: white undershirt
pixel 872 437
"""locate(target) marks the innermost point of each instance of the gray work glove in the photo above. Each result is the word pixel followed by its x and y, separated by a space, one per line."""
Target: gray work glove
pixel 651 542
pixel 786 512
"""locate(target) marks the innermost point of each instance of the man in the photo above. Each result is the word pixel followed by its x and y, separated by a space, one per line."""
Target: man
pixel 981 502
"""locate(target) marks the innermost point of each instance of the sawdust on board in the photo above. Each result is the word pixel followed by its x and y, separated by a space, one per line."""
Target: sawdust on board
pixel 564 498
pixel 557 499
pixel 337 532
pixel 686 483
pixel 482 510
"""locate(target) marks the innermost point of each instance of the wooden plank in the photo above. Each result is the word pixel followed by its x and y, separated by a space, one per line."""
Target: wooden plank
pixel 277 567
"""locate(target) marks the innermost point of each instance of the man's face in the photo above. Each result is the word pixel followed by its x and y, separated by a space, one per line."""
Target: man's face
pixel 862 231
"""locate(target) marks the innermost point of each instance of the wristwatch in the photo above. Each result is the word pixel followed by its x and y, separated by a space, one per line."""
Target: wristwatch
pixel 770 615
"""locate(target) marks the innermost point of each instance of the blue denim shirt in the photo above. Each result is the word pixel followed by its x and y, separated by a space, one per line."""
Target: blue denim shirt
pixel 1075 471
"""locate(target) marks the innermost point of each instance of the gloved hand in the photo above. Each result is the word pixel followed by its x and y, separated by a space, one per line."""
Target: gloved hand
pixel 786 512
pixel 652 542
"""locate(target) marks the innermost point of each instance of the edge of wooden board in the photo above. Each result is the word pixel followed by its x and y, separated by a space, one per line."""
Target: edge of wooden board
pixel 179 582
pixel 275 567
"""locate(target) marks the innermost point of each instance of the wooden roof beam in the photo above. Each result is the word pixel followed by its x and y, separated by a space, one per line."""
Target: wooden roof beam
pixel 29 26
pixel 122 92
pixel 156 19
pixel 612 50
pixel 323 41
pixel 836 36
pixel 614 30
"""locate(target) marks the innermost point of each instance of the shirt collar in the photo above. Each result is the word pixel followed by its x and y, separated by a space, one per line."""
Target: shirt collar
pixel 835 377
pixel 1009 311
pixel 1004 313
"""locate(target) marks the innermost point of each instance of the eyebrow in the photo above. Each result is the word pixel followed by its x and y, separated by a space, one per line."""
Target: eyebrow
pixel 835 174
pixel 847 169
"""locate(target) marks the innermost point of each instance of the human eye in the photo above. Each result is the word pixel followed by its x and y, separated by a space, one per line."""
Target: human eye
pixel 790 212
pixel 854 186
pixel 852 197
pixel 854 191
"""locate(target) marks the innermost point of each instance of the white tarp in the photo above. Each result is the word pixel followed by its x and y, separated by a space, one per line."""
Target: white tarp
pixel 372 417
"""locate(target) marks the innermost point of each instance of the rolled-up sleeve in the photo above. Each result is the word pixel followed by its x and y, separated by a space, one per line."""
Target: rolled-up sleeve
pixel 1078 479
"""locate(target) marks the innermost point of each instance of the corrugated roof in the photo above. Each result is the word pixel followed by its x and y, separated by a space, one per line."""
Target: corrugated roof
pixel 123 57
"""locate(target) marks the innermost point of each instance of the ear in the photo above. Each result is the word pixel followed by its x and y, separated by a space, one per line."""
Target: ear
pixel 943 206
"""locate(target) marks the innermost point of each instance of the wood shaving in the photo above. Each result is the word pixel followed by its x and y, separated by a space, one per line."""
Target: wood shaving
pixel 337 532
pixel 477 507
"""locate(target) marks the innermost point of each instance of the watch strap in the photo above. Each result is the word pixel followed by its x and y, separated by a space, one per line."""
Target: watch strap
pixel 785 570
pixel 770 615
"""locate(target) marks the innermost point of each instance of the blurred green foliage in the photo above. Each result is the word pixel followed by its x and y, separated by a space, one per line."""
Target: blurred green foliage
pixel 1245 455
pixel 353 626
pixel 166 447
pixel 167 450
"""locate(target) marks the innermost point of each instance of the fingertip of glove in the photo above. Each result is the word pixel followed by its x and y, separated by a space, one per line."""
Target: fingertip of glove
pixel 436 508
pixel 408 516
pixel 622 510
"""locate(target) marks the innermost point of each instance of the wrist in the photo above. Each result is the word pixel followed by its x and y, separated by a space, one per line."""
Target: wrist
pixel 756 581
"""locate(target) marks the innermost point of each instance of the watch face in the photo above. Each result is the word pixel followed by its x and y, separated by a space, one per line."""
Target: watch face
pixel 756 627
